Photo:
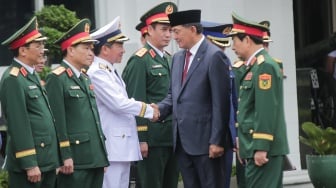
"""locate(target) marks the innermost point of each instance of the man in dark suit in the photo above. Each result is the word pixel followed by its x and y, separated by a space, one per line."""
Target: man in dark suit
pixel 199 98
pixel 32 149
pixel 73 101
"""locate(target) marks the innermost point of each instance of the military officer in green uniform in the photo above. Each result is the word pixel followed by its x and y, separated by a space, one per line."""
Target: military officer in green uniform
pixel 261 124
pixel 32 149
pixel 147 78
pixel 72 99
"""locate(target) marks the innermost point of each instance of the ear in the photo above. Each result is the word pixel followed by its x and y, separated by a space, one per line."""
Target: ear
pixel 22 51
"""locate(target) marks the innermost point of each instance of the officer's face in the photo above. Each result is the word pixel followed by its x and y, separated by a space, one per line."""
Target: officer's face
pixel 81 54
pixel 33 52
pixel 114 52
pixel 160 35
pixel 239 47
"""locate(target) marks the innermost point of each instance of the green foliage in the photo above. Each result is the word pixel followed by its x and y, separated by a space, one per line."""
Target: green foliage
pixel 3 179
pixel 323 141
pixel 54 21
pixel 45 72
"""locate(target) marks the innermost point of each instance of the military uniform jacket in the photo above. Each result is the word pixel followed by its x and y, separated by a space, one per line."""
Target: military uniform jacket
pixel 117 112
pixel 261 121
pixel 31 134
pixel 77 120
pixel 147 78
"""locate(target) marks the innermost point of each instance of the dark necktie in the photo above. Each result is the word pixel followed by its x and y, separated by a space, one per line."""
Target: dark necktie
pixel 116 73
pixel 186 65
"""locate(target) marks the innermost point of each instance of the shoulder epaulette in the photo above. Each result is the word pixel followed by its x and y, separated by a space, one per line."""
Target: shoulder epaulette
pixel 104 67
pixel 238 64
pixel 14 71
pixel 167 53
pixel 277 60
pixel 59 70
pixel 141 52
pixel 260 59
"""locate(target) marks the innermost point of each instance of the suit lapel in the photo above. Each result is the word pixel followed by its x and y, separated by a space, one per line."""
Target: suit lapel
pixel 195 63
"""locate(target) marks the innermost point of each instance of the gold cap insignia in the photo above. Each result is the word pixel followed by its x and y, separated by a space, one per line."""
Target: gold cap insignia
pixel 87 28
pixel 169 9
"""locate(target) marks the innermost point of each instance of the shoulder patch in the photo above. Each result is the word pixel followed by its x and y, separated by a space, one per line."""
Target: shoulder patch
pixel 238 63
pixel 260 59
pixel 59 70
pixel 14 71
pixel 141 52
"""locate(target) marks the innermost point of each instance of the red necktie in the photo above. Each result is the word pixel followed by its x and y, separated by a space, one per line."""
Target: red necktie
pixel 186 65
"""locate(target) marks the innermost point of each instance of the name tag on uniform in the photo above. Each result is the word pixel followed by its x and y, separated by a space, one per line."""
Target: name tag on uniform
pixel 74 87
pixel 249 76
pixel 157 66
pixel 32 87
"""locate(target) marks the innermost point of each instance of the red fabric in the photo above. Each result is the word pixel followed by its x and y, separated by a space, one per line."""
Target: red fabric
pixel 186 65
pixel 21 41
pixel 249 30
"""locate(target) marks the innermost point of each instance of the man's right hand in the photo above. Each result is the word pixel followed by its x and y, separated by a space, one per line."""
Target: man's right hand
pixel 34 174
pixel 144 149
pixel 68 167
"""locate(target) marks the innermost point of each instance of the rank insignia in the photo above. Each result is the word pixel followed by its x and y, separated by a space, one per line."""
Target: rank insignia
pixel 91 86
pixel 69 72
pixel 248 76
pixel 265 81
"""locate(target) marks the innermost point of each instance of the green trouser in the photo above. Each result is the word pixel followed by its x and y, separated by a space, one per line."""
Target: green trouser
pixel 159 169
pixel 86 178
pixel 240 174
pixel 19 180
pixel 266 176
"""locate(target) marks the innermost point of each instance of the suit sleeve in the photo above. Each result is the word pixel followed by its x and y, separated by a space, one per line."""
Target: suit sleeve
pixel 56 99
pixel 266 101
pixel 106 90
pixel 219 77
pixel 134 76
pixel 19 127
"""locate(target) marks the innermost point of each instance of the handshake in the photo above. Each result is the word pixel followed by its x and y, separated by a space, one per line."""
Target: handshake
pixel 156 113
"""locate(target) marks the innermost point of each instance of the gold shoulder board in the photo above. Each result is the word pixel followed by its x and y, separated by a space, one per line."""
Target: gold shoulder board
pixel 277 60
pixel 260 59
pixel 238 64
pixel 141 52
pixel 59 70
pixel 14 71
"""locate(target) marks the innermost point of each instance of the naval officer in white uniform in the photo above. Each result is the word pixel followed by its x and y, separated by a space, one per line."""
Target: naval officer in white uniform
pixel 117 111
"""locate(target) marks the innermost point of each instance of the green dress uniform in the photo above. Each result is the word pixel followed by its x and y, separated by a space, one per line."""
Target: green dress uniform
pixel 77 122
pixel 32 137
pixel 261 122
pixel 31 134
pixel 147 78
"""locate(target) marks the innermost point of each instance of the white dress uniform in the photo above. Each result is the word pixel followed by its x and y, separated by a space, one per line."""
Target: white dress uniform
pixel 117 114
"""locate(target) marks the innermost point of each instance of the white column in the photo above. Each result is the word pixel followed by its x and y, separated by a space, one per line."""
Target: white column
pixel 39 5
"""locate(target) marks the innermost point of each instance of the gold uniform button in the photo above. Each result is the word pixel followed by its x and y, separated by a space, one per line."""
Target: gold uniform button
pixel 160 74
pixel 238 99
pixel 241 87
pixel 42 145
pixel 77 141
pixel 237 124
pixel 237 112
pixel 251 131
